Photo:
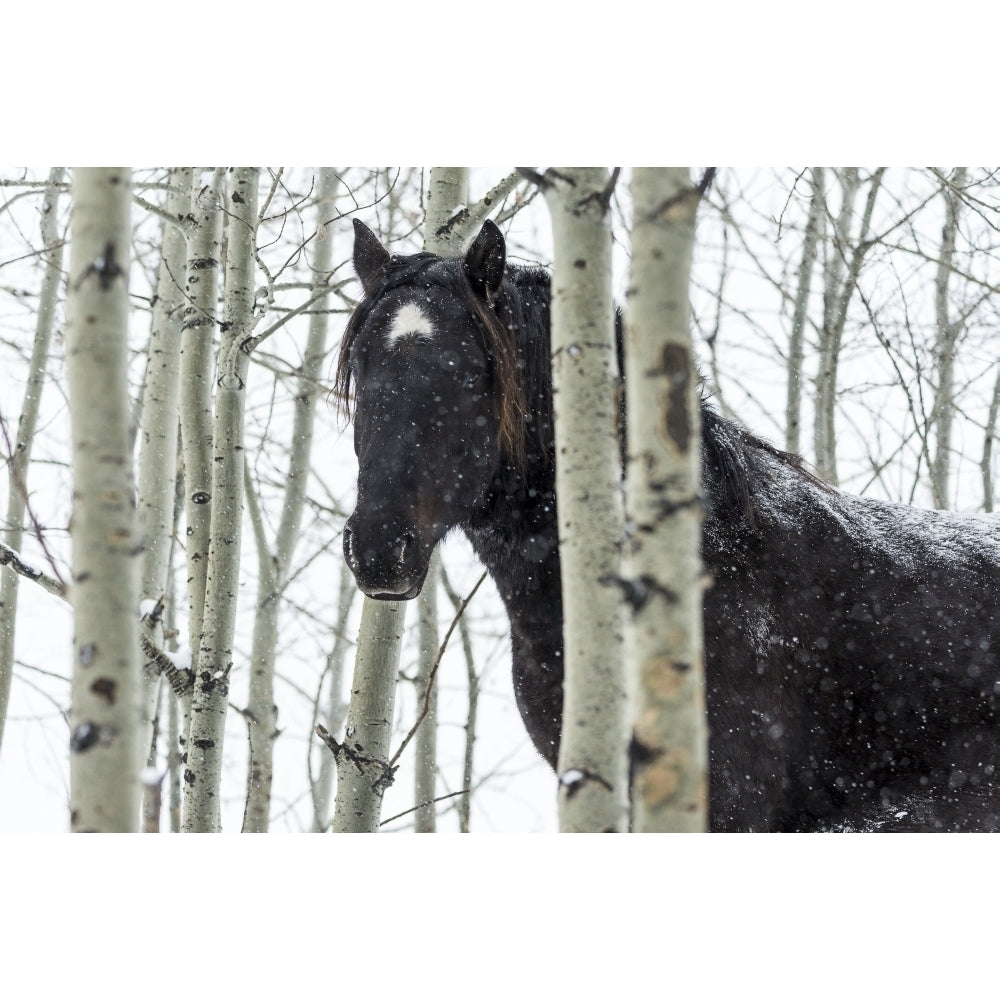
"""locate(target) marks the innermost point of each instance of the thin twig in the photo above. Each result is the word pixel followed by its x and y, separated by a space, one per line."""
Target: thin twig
pixel 440 798
pixel 425 708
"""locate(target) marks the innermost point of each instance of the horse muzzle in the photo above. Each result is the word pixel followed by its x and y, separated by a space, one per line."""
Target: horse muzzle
pixel 388 559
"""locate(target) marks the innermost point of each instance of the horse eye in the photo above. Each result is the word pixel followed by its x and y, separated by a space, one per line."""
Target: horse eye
pixel 472 379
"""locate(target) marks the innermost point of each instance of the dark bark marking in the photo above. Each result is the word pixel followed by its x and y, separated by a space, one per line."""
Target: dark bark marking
pixel 106 688
pixel 84 737
pixel 638 592
pixel 677 419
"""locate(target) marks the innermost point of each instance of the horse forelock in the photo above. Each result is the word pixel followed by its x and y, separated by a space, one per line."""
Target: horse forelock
pixel 496 323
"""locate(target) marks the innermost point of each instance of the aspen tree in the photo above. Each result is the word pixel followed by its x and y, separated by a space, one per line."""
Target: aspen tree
pixel 335 709
pixel 197 343
pixel 986 463
pixel 447 194
pixel 796 342
pixel 363 772
pixel 214 659
pixel 949 329
pixel 157 465
pixel 843 268
pixel 593 780
pixel 105 699
pixel 274 561
pixel 663 633
pixel 17 490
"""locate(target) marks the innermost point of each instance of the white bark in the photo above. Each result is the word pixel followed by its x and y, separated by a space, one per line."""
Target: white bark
pixel 363 771
pixel 593 780
pixel 663 562
pixel 274 563
pixel 948 331
pixel 796 345
pixel 841 280
pixel 214 661
pixel 17 491
pixel 104 714
pixel 198 335
pixel 425 742
pixel 335 710
pixel 465 801
pixel 986 464
pixel 157 469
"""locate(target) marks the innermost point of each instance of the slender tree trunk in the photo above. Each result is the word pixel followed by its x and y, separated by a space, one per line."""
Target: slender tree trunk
pixel 210 694
pixel 593 780
pixel 447 195
pixel 363 772
pixel 796 346
pixel 663 562
pixel 152 783
pixel 472 714
pixel 838 292
pixel 104 713
pixel 948 332
pixel 17 491
pixel 335 709
pixel 197 343
pixel 425 742
pixel 986 465
pixel 157 471
pixel 274 565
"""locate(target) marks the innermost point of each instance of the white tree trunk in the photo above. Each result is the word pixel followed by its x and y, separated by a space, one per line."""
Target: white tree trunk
pixel 663 562
pixel 447 196
pixel 197 343
pixel 948 331
pixel 363 771
pixel 157 471
pixel 986 464
pixel 841 280
pixel 425 742
pixel 335 710
pixel 104 713
pixel 274 565
pixel 796 345
pixel 214 660
pixel 593 779
pixel 17 490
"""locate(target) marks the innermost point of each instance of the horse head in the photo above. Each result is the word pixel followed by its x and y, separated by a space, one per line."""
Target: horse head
pixel 421 362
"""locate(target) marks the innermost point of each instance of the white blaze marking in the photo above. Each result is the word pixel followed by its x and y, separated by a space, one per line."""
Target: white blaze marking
pixel 410 321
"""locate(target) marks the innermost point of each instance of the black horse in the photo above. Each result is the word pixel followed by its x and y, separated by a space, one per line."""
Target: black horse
pixel 852 679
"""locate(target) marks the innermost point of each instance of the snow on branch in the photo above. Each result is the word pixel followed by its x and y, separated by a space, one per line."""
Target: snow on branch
pixel 467 219
pixel 8 557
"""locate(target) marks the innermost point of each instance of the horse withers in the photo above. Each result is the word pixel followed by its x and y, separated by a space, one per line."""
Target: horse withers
pixel 850 644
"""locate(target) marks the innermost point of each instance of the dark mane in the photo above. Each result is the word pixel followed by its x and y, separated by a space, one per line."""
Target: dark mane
pixel 741 465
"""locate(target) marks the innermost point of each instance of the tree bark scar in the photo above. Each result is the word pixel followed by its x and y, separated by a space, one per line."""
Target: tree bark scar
pixel 677 419
pixel 105 688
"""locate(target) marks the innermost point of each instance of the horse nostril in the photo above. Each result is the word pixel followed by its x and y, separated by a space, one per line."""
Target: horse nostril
pixel 407 542
pixel 349 547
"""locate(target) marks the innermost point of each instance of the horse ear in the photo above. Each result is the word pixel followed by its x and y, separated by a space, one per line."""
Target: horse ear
pixel 485 260
pixel 369 256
